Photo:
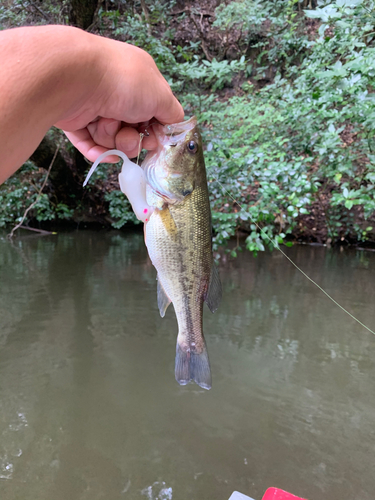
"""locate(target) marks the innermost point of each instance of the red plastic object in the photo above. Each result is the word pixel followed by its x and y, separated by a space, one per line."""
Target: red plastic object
pixel 276 494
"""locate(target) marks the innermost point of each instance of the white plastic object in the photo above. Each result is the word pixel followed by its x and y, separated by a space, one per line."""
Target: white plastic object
pixel 236 495
pixel 132 183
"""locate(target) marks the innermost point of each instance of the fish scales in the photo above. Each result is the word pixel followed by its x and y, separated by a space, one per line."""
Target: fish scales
pixel 181 252
pixel 178 238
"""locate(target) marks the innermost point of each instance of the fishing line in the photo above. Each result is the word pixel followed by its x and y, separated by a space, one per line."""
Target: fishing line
pixel 276 245
pixel 274 242
pixel 141 136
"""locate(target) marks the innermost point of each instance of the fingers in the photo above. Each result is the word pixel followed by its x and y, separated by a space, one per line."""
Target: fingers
pixel 131 90
pixel 128 141
pixel 169 110
pixel 104 131
pixel 104 134
pixel 83 141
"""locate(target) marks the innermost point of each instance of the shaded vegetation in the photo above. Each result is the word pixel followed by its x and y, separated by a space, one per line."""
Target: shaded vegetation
pixel 284 91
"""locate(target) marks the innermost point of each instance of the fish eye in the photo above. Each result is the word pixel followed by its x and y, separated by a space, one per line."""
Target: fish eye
pixel 192 147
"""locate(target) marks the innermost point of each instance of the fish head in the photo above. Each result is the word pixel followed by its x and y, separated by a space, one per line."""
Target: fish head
pixel 171 170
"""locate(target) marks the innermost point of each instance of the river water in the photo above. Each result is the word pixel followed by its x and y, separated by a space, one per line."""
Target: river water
pixel 89 408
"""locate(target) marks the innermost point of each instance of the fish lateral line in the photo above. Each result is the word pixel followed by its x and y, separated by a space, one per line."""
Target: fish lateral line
pixel 276 245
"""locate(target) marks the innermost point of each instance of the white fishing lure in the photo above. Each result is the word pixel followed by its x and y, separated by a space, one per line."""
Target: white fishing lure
pixel 132 184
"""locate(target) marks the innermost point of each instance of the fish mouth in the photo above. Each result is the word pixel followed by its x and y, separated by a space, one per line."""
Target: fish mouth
pixel 171 135
pixel 180 128
pixel 156 172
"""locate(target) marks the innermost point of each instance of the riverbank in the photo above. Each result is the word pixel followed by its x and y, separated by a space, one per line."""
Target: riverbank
pixel 284 94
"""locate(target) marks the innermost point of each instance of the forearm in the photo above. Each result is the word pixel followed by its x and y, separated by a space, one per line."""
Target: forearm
pixel 45 71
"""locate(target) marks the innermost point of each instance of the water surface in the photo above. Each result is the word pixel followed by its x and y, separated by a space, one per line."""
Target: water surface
pixel 89 408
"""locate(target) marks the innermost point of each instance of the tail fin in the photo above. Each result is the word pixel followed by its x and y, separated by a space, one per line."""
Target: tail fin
pixel 193 366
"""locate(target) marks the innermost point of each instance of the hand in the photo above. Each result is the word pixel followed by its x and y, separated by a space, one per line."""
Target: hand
pixel 131 94
pixel 96 89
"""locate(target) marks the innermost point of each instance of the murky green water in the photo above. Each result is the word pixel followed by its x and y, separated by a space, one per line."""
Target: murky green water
pixel 89 408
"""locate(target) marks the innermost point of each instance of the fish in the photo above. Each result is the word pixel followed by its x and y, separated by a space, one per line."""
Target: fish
pixel 178 236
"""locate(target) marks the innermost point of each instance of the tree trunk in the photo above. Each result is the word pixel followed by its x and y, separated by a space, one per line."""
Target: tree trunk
pixel 82 12
pixel 61 176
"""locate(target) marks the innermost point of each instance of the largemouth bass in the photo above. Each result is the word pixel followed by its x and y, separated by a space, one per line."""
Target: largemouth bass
pixel 178 239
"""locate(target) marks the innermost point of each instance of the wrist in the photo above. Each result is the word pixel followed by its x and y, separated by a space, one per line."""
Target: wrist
pixel 76 77
pixel 50 68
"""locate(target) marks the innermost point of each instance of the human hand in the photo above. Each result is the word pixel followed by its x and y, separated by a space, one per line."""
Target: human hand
pixel 96 89
pixel 131 93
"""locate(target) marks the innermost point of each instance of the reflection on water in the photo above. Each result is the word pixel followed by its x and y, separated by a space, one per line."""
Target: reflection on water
pixel 89 408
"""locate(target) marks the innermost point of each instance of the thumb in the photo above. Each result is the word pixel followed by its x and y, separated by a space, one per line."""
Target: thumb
pixel 168 110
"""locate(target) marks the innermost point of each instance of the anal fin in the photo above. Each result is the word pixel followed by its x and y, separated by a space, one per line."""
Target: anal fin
pixel 163 299
pixel 214 293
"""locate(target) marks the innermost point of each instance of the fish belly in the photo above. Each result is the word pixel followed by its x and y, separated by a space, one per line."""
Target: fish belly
pixel 178 240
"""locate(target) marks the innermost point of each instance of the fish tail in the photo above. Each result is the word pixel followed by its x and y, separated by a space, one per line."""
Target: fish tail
pixel 191 365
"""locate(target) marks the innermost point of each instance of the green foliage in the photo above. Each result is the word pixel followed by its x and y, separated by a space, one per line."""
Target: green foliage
pixel 12 205
pixel 214 75
pixel 63 211
pixel 120 209
pixel 288 123
pixel 43 209
pixel 270 27
pixel 134 28
pixel 15 196
pixel 20 191
pixel 25 12
pixel 275 150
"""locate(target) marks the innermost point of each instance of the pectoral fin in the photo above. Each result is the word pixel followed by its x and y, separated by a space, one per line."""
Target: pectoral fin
pixel 163 299
pixel 214 292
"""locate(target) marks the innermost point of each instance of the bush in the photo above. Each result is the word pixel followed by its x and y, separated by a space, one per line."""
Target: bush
pixel 288 123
